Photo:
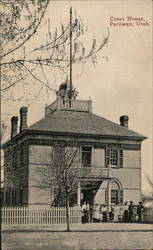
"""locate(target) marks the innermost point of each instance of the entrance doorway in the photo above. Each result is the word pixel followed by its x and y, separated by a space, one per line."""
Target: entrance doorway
pixel 89 189
pixel 87 196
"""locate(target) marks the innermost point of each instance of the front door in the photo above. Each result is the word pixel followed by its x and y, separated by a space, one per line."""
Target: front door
pixel 88 196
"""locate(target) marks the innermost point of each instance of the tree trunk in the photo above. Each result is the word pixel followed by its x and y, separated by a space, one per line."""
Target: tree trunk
pixel 67 213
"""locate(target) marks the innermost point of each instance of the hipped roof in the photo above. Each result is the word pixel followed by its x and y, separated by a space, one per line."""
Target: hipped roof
pixel 82 123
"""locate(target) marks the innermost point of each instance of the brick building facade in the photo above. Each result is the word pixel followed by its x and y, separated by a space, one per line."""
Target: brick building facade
pixel 110 153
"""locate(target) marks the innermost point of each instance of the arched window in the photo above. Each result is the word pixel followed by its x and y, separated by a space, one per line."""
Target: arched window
pixel 116 193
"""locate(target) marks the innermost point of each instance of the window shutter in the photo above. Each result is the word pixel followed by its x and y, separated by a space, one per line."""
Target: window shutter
pixel 121 158
pixel 107 157
pixel 121 196
pixel 106 196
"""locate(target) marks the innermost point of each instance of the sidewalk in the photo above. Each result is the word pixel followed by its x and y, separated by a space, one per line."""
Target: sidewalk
pixel 89 227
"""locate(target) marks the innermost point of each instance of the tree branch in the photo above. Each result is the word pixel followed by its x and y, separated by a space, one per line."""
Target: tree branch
pixel 36 77
pixel 11 85
pixel 30 35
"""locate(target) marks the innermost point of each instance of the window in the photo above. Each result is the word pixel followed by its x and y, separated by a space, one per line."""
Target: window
pixel 8 162
pixel 13 197
pixel 116 194
pixel 86 156
pixel 6 197
pixel 21 196
pixel 114 157
pixel 9 196
pixel 2 197
pixel 21 157
pixel 14 158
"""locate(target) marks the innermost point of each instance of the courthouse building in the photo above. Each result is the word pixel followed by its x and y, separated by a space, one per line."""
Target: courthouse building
pixel 110 165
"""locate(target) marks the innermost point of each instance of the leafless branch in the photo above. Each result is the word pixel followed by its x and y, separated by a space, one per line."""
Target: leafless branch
pixel 29 36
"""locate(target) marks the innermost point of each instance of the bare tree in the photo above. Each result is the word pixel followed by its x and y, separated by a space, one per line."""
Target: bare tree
pixel 54 50
pixel 61 176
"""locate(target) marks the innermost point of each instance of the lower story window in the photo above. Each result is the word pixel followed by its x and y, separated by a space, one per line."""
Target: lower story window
pixel 116 194
pixel 2 197
pixel 21 196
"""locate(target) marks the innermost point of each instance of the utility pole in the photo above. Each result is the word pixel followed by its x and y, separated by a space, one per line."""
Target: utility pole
pixel 70 52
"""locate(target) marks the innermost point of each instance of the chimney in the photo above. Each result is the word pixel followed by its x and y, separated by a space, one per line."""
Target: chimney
pixel 14 122
pixel 124 120
pixel 23 118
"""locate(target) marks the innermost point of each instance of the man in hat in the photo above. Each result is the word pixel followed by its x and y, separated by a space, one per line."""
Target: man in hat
pixel 131 211
pixel 126 213
pixel 84 212
pixel 140 211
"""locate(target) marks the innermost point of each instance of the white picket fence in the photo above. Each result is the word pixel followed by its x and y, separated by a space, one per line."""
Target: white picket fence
pixel 31 216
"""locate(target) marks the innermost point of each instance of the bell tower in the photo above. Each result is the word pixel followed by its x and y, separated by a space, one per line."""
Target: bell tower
pixel 65 96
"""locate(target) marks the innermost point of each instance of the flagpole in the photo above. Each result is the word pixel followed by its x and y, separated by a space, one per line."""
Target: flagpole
pixel 70 52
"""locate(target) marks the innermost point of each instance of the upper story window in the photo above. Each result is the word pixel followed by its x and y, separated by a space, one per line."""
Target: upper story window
pixel 114 157
pixel 86 156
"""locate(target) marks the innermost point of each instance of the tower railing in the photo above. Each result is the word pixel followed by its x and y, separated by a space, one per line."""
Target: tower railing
pixel 69 104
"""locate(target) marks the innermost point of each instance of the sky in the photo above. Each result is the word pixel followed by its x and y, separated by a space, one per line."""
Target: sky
pixel 121 81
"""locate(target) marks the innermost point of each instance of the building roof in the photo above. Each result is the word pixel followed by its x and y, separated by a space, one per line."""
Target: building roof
pixel 81 123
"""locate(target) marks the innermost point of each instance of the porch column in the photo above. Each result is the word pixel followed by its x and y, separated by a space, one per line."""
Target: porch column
pixel 109 194
pixel 79 195
pixel 109 187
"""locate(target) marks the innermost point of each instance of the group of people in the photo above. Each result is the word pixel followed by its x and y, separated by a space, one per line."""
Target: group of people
pixel 94 214
pixel 131 212
pixel 100 213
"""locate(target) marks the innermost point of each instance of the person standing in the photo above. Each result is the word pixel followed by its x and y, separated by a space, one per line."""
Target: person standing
pixel 104 213
pixel 97 213
pixel 88 212
pixel 140 211
pixel 116 212
pixel 91 213
pixel 126 213
pixel 131 211
pixel 84 212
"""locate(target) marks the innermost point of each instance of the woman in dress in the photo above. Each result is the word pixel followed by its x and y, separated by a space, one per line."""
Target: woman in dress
pixel 84 212
pixel 116 212
pixel 97 213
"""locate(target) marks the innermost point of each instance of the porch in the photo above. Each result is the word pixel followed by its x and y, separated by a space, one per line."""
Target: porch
pixel 90 179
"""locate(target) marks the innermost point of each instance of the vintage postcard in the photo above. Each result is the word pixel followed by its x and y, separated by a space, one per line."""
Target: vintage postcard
pixel 76 124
